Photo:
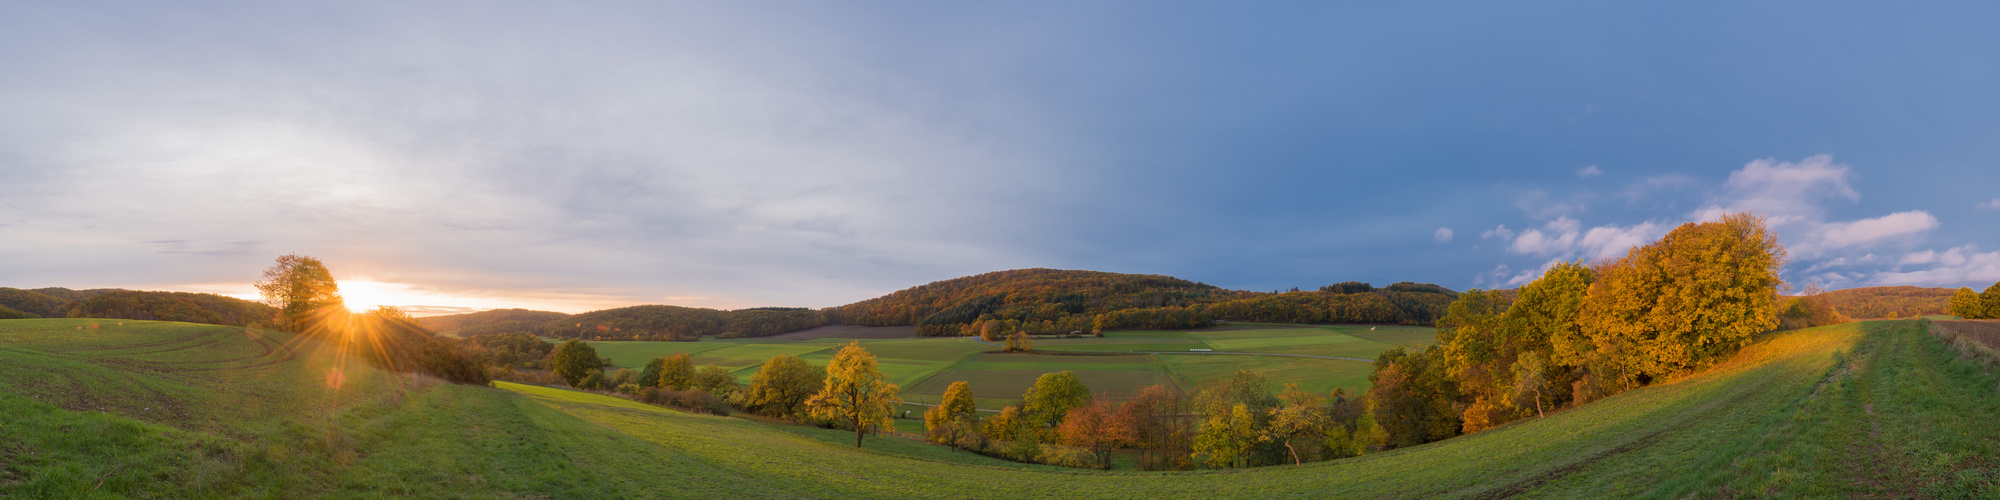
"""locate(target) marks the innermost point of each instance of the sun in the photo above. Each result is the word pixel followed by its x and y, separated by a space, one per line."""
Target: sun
pixel 364 296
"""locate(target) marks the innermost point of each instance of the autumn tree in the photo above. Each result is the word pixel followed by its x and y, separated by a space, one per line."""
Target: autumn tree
pixel 1161 427
pixel 1005 426
pixel 575 360
pixel 1688 300
pixel 1965 303
pixel 856 392
pixel 676 372
pixel 1989 302
pixel 1051 398
pixel 649 376
pixel 1019 342
pixel 954 416
pixel 1227 437
pixel 302 289
pixel 1301 415
pixel 782 385
pixel 1530 377
pixel 1099 427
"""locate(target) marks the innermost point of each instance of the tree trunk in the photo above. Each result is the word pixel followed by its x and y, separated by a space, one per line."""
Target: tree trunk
pixel 1295 451
pixel 1538 405
pixel 857 431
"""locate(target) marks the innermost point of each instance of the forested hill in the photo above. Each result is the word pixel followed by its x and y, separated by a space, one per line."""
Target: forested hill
pixel 494 321
pixel 1045 301
pixel 1881 301
pixel 649 322
pixel 205 308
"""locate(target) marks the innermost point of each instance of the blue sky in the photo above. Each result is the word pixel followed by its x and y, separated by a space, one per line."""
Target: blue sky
pixel 485 154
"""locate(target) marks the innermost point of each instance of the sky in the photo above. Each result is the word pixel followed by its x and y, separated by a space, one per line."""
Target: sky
pixel 458 156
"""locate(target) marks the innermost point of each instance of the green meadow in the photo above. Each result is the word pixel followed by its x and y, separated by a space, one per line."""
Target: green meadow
pixel 1117 364
pixel 179 410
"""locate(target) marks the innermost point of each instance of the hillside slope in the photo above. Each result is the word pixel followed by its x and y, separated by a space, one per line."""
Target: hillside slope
pixel 1875 408
pixel 1882 301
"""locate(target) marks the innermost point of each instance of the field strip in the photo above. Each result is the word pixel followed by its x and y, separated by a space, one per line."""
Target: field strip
pixel 947 367
pixel 197 336
pixel 983 341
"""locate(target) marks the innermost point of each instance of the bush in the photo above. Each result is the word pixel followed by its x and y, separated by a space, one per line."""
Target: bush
pixel 1068 456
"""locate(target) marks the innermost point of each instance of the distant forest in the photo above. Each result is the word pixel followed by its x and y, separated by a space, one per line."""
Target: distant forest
pixel 185 307
pixel 1035 301
pixel 1885 301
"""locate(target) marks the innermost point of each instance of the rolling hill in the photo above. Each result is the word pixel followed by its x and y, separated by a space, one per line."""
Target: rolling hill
pixel 153 409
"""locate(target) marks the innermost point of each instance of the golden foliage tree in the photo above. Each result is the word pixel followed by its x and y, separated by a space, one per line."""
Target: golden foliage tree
pixel 1966 304
pixel 1299 415
pixel 856 392
pixel 1227 437
pixel 1019 342
pixel 1098 427
pixel 946 421
pixel 676 372
pixel 1685 301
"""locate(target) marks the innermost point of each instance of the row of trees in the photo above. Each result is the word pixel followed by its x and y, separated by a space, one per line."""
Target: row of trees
pixel 1230 424
pixel 1982 305
pixel 1584 332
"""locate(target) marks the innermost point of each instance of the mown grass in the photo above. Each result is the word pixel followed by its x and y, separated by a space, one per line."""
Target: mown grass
pixel 1870 409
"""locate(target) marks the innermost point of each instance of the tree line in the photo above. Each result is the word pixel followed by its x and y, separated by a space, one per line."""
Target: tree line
pixel 205 308
pixel 1982 305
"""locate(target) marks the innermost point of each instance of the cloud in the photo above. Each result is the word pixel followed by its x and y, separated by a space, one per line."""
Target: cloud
pixel 1783 192
pixel 1565 238
pixel 1539 204
pixel 1443 235
pixel 1953 267
pixel 1870 231
pixel 1590 171
pixel 1498 232
pixel 1991 205
pixel 1503 277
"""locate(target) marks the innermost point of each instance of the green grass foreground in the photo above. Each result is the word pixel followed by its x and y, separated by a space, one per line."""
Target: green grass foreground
pixel 1862 409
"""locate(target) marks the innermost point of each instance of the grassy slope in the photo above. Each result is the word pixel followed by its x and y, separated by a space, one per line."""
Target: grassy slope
pixel 1871 409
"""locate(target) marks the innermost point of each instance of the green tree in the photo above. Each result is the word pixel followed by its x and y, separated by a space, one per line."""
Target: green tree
pixel 856 392
pixel 781 386
pixel 1051 398
pixel 953 416
pixel 575 360
pixel 303 290
pixel 1227 437
pixel 650 375
pixel 676 372
pixel 1965 303
pixel 1300 415
pixel 715 380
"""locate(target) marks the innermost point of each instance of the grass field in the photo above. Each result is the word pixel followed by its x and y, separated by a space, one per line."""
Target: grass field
pixel 1866 409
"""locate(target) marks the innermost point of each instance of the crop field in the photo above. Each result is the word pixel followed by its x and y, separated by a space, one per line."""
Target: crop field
pixel 1007 376
pixel 924 367
pixel 1875 409
pixel 1312 374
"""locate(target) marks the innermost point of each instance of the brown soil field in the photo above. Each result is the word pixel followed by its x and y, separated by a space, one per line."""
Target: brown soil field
pixel 850 332
pixel 1985 331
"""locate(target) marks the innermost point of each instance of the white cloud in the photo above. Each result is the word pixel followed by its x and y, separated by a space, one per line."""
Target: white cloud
pixel 1564 238
pixel 1954 267
pixel 1443 235
pixel 1590 171
pixel 1870 231
pixel 1498 232
pixel 1991 205
pixel 1783 192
